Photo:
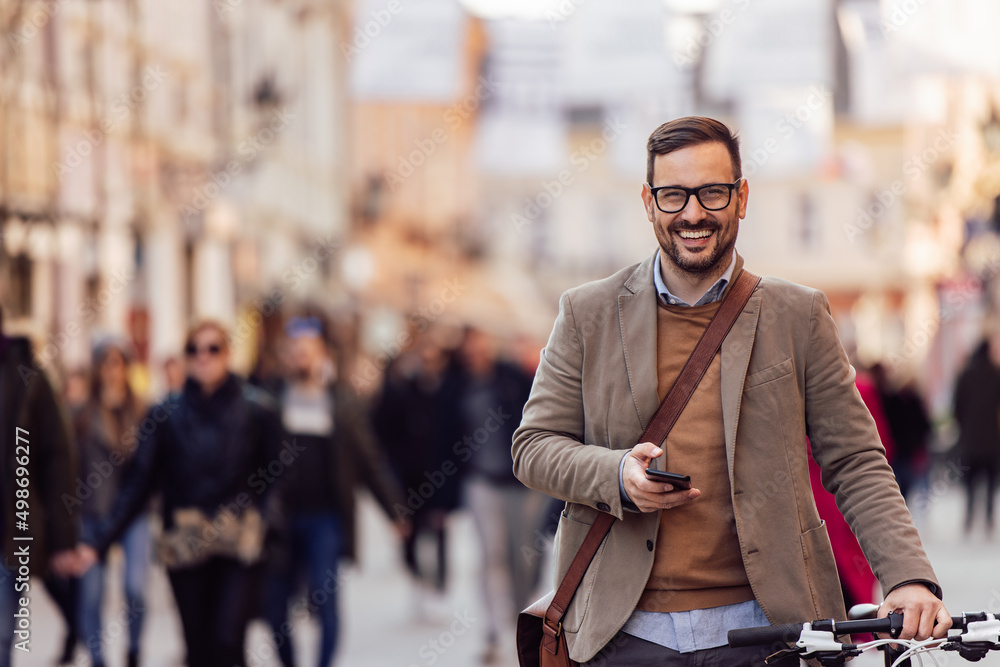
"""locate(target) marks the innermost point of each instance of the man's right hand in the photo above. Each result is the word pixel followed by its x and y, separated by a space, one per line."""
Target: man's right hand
pixel 646 494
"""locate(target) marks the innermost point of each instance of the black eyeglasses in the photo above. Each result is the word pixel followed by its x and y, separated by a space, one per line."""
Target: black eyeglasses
pixel 712 197
pixel 192 350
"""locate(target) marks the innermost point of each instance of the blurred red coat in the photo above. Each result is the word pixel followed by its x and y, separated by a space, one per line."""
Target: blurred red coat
pixel 855 574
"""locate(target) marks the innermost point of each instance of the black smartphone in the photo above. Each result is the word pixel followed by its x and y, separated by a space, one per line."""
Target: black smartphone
pixel 680 482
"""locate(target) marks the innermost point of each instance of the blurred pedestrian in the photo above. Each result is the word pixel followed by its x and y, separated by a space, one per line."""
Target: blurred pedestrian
pixel 411 420
pixel 335 451
pixel 910 427
pixel 35 445
pixel 76 391
pixel 173 373
pixel 977 412
pixel 506 514
pixel 105 428
pixel 212 456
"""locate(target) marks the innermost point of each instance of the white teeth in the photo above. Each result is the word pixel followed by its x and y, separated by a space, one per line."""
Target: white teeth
pixel 696 235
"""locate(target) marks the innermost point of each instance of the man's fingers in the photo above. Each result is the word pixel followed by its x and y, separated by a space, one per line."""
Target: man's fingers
pixel 943 623
pixel 926 627
pixel 910 624
pixel 645 452
pixel 648 486
pixel 648 502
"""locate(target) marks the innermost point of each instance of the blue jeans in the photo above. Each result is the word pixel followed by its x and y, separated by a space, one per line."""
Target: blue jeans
pixel 136 545
pixel 315 542
pixel 8 606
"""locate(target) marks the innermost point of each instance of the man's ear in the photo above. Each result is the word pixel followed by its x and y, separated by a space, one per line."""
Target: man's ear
pixel 647 201
pixel 744 194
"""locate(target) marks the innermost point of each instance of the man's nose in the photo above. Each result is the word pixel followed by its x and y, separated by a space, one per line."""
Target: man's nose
pixel 693 210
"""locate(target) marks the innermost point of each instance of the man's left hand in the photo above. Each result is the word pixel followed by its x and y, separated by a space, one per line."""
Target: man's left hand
pixel 920 609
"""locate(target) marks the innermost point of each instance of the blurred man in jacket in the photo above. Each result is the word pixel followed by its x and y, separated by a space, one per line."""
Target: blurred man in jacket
pixel 335 452
pixel 35 437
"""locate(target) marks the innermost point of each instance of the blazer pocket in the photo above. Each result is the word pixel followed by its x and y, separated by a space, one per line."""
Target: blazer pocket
pixel 578 513
pixel 821 568
pixel 770 374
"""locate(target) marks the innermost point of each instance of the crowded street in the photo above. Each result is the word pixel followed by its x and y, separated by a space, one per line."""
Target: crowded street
pixel 382 627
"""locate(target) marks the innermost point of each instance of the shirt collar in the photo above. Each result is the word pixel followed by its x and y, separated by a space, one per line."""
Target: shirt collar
pixel 713 294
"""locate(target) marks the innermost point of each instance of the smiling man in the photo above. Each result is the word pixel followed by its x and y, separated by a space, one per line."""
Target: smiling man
pixel 745 546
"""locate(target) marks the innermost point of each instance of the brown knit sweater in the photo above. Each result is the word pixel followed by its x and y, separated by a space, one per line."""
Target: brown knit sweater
pixel 697 563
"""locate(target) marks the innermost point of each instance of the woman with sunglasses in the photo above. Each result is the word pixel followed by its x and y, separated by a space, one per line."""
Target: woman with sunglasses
pixel 204 451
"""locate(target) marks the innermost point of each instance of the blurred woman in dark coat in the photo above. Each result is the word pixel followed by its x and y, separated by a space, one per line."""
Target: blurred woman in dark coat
pixel 208 451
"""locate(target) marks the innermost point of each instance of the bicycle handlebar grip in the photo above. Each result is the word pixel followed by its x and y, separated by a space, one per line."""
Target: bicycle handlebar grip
pixel 789 632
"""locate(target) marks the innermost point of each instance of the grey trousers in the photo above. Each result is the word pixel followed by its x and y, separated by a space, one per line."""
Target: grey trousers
pixel 624 650
pixel 504 517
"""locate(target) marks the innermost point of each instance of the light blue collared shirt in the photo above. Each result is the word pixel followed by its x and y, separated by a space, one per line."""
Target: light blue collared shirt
pixel 713 294
pixel 698 629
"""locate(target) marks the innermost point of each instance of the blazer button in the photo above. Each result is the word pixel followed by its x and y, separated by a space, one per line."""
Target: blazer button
pixel 649 544
pixel 604 507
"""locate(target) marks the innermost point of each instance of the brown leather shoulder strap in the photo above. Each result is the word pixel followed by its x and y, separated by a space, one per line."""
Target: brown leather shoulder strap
pixel 659 426
pixel 701 358
pixel 552 623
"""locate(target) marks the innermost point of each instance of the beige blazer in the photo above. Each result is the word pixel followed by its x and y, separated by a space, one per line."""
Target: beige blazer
pixel 785 378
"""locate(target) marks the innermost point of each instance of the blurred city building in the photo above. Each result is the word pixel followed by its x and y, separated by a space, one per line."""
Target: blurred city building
pixel 420 162
pixel 168 161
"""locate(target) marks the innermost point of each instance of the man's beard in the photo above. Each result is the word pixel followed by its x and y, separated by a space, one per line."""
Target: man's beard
pixel 705 261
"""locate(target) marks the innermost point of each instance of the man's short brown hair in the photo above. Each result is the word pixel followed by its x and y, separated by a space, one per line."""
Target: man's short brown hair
pixel 691 131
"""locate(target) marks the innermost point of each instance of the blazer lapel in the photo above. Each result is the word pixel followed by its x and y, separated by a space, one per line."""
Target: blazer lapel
pixel 637 319
pixel 736 350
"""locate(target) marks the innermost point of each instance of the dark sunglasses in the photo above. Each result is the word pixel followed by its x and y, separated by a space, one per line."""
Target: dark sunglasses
pixel 192 350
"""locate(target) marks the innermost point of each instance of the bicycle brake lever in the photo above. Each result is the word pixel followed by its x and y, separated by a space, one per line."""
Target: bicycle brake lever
pixel 784 653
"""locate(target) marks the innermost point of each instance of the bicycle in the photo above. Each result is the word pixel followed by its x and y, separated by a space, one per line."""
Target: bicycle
pixel 978 633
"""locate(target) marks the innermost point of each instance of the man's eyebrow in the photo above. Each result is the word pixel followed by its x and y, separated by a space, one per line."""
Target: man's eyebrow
pixel 694 187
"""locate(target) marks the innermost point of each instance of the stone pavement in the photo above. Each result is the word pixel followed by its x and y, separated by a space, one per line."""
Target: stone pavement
pixel 380 627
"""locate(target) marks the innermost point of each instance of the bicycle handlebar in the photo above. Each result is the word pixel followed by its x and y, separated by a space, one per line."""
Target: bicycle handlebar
pixel 789 632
